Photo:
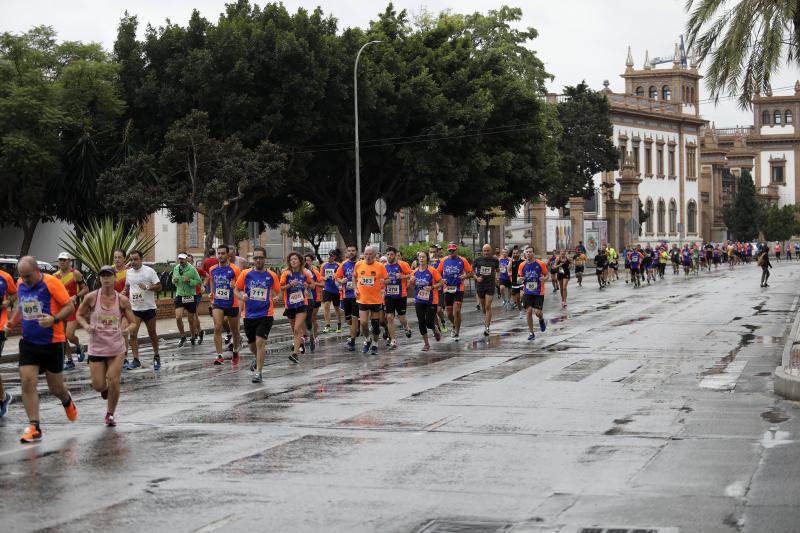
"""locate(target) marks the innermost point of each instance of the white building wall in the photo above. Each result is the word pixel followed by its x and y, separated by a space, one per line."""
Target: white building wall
pixel 786 191
pixel 46 240
pixel 785 129
pixel 166 233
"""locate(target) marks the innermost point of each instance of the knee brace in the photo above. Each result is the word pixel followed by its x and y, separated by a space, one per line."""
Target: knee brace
pixel 376 326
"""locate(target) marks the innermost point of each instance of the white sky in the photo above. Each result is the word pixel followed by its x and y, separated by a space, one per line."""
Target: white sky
pixel 578 39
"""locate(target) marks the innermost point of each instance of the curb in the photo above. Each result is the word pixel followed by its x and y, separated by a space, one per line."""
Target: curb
pixel 786 385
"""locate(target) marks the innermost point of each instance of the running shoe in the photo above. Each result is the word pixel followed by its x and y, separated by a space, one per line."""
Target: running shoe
pixel 339 328
pixel 303 348
pixel 235 358
pixel 312 344
pixel 437 335
pixel 426 347
pixel 392 346
pixel 182 342
pixel 542 324
pixel 194 340
pixel 126 365
pixel 135 364
pixel 228 338
pixel 81 355
pixel 72 411
pixel 408 333
pixel 110 422
pixel 257 378
pixel 32 434
pixel 253 365
pixel 444 328
pixel 478 307
pixel 104 394
pixel 69 364
pixel 228 346
pixel 455 336
pixel 200 340
pixel 521 315
pixel 486 331
pixel 5 403
pixel 156 362
pixel 365 348
pixel 219 360
pixel 326 329
pixel 293 358
pixel 531 336
pixel 351 345
pixel 374 349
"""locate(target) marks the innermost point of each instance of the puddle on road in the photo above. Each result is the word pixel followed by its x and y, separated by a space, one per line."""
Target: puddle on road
pixel 580 370
pixel 775 415
pixel 772 438
pixel 745 339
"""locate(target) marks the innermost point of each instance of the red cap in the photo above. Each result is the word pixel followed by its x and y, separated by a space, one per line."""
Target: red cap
pixel 452 246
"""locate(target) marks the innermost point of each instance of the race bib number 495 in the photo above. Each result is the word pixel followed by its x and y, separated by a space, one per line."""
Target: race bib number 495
pixel 31 309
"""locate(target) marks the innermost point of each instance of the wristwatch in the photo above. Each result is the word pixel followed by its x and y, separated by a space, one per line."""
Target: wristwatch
pixel 56 320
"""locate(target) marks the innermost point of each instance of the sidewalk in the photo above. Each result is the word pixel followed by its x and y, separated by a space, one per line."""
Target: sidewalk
pixel 787 375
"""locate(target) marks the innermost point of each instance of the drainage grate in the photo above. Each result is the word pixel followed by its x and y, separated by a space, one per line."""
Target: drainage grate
pixel 464 526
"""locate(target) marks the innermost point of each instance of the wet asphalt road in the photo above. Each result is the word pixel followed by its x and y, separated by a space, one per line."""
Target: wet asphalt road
pixel 648 408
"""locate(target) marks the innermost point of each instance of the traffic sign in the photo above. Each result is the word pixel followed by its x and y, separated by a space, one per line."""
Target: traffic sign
pixel 380 206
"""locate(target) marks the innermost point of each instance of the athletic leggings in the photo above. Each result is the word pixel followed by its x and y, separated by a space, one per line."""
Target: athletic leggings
pixel 426 314
pixel 764 274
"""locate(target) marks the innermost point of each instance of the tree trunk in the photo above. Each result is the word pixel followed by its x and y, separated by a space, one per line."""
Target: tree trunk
pixel 211 229
pixel 28 229
pixel 228 230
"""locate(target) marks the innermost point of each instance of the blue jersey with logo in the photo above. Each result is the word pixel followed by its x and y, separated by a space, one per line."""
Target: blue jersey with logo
pixel 504 268
pixel 532 273
pixel 394 288
pixel 423 286
pixel 328 271
pixel 222 280
pixel 635 258
pixel 348 267
pixel 259 287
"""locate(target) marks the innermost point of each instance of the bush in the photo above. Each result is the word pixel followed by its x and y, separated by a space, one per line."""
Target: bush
pixel 410 252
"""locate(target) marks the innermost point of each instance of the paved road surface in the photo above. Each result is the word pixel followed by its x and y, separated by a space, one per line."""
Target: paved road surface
pixel 648 408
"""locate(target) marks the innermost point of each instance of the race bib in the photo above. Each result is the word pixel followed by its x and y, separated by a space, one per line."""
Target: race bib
pixel 393 290
pixel 296 297
pixel 531 285
pixel 31 310
pixel 107 322
pixel 258 294
pixel 329 273
pixel 137 297
pixel 424 293
pixel 486 271
pixel 367 281
pixel 451 288
pixel 187 299
pixel 222 293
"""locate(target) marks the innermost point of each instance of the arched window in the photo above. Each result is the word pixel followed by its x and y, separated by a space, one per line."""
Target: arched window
pixel 666 93
pixel 787 117
pixel 691 217
pixel 765 118
pixel 662 212
pixel 653 92
pixel 776 118
pixel 648 208
pixel 640 91
pixel 673 216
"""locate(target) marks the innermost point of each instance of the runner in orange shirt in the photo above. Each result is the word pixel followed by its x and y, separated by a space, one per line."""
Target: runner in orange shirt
pixel 314 300
pixel 44 305
pixel 294 282
pixel 77 289
pixel 8 293
pixel 396 294
pixel 370 278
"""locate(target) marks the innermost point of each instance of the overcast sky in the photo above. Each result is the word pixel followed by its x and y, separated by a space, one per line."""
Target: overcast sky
pixel 578 39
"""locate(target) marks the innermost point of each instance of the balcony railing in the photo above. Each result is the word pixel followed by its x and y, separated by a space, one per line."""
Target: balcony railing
pixel 645 104
pixel 735 131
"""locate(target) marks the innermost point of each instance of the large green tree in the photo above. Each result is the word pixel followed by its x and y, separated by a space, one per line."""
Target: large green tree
pixel 585 145
pixel 780 223
pixel 743 43
pixel 742 217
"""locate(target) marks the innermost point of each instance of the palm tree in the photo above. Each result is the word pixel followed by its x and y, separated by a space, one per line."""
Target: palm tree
pixel 745 42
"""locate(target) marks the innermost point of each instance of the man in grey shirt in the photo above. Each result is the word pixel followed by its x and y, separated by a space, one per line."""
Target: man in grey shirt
pixel 485 268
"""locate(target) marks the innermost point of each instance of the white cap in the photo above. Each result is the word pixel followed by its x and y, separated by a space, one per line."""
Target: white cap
pixel 64 255
pixel 183 256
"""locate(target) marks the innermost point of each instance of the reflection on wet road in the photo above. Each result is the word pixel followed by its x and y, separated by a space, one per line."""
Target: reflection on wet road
pixel 647 408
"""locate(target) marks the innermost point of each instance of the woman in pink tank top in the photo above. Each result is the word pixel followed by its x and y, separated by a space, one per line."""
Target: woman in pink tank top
pixel 100 314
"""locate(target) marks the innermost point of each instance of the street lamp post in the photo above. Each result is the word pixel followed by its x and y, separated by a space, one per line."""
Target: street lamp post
pixel 358 161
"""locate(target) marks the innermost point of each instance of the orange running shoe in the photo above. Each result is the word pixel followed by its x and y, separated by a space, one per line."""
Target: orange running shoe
pixel 72 411
pixel 31 435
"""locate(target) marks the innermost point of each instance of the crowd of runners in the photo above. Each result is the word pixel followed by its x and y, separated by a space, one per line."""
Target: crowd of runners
pixel 365 293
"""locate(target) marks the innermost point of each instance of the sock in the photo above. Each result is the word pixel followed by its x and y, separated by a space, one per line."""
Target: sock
pixel 339 325
pixel 66 403
pixel 35 423
pixel 156 356
pixel 109 414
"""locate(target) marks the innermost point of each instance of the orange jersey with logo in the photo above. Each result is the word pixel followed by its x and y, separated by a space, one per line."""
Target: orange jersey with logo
pixel 369 281
pixel 7 288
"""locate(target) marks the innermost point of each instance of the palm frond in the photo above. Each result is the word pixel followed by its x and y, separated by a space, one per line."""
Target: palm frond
pixel 96 241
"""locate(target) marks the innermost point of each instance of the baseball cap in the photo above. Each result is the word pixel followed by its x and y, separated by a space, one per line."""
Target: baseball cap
pixel 64 255
pixel 451 246
pixel 106 269
pixel 183 256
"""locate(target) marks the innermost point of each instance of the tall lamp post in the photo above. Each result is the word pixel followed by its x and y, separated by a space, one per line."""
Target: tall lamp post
pixel 358 160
